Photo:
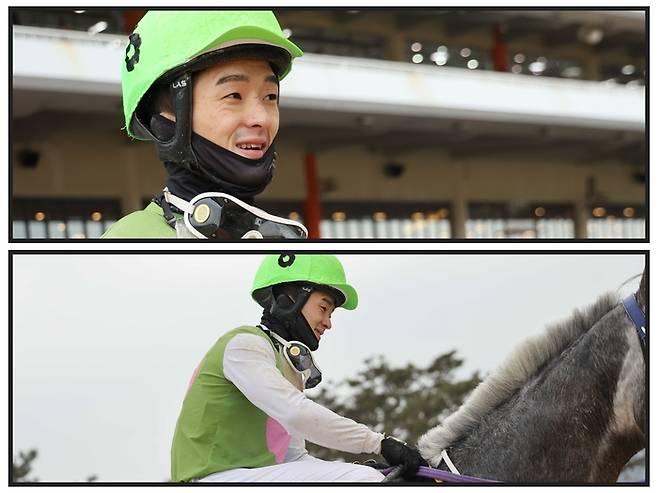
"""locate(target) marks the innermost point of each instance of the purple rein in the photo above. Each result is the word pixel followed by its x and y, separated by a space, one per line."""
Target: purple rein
pixel 431 473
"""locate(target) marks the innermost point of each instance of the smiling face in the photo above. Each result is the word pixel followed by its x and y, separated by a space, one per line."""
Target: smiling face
pixel 235 105
pixel 317 312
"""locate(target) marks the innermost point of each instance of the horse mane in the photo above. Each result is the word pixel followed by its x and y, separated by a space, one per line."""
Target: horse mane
pixel 521 365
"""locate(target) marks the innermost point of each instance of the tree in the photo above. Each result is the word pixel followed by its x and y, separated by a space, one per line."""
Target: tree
pixel 403 402
pixel 21 468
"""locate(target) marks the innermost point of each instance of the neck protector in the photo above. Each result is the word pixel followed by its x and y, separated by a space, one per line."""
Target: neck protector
pixel 220 169
pixel 285 318
pixel 219 216
pixel 299 358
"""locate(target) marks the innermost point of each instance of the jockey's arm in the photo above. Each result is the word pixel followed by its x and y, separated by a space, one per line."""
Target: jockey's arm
pixel 250 364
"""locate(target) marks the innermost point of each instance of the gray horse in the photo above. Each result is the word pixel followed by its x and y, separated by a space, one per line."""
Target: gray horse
pixel 567 406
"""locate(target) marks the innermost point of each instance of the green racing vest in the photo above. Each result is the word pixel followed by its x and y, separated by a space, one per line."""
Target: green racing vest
pixel 218 427
pixel 147 223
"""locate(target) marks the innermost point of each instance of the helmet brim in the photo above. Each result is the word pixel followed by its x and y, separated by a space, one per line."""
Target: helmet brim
pixel 348 294
pixel 257 35
pixel 250 38
pixel 348 297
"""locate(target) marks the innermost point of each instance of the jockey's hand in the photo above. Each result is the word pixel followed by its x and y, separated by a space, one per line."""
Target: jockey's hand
pixel 396 452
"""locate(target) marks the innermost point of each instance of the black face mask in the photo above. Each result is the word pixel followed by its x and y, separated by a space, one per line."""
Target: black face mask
pixel 220 170
pixel 285 318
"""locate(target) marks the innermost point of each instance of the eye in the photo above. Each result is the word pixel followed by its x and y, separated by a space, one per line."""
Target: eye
pixel 272 97
pixel 233 95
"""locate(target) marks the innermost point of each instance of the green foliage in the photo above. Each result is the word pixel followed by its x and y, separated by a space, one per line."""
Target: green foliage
pixel 21 468
pixel 403 402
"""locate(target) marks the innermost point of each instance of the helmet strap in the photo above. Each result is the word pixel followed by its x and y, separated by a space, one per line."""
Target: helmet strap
pixel 285 317
pixel 286 309
pixel 179 148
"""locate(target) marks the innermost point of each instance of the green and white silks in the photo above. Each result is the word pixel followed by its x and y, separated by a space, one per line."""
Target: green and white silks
pixel 245 409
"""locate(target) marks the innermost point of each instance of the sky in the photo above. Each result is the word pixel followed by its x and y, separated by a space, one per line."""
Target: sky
pixel 103 346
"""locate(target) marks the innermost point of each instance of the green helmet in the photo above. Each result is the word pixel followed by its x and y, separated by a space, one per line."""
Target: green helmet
pixel 321 270
pixel 167 42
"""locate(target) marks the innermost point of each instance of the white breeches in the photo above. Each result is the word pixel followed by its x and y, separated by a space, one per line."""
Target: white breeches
pixel 307 470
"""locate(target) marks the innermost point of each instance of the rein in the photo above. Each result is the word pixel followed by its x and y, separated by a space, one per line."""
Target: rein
pixel 436 474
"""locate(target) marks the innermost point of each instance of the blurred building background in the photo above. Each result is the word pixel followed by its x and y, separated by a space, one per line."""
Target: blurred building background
pixel 399 123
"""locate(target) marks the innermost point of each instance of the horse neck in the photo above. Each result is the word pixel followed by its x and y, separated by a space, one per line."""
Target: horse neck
pixel 575 421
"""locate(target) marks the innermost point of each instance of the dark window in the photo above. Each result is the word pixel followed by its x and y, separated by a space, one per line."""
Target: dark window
pixel 63 217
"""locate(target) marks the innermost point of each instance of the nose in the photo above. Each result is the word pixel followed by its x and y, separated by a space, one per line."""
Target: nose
pixel 326 323
pixel 256 115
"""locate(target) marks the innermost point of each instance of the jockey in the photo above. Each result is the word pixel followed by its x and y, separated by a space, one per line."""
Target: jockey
pixel 203 86
pixel 245 416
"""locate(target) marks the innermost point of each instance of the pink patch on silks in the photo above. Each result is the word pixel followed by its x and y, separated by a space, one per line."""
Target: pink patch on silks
pixel 278 439
pixel 194 375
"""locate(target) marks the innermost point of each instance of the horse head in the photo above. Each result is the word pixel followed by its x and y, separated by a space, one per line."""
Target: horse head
pixel 568 405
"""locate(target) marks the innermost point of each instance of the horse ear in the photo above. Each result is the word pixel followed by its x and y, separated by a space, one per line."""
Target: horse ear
pixel 641 294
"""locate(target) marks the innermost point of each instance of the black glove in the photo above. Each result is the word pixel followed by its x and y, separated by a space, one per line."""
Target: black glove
pixel 397 452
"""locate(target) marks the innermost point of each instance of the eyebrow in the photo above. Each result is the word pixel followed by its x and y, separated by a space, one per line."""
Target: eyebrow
pixel 329 301
pixel 243 78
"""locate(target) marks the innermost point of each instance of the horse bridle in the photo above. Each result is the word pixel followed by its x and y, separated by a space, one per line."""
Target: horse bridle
pixel 635 313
